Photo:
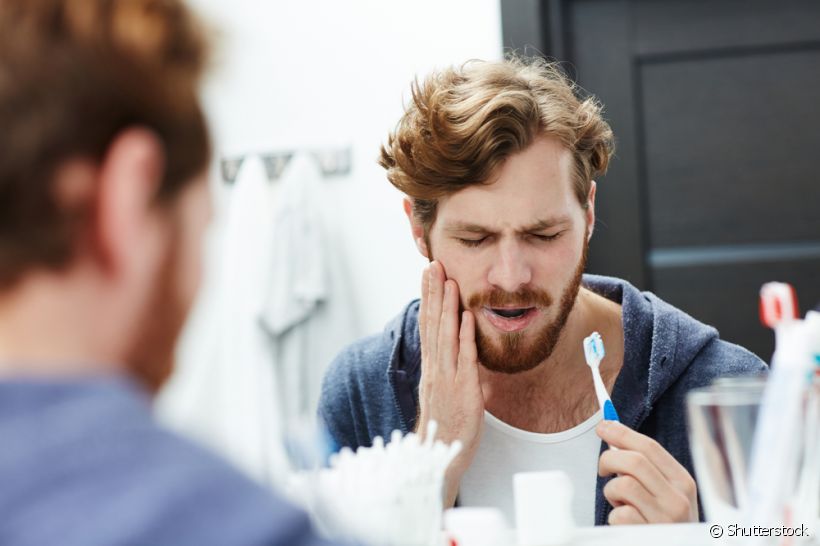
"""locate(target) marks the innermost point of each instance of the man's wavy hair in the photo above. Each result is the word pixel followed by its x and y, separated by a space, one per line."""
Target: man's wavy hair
pixel 462 123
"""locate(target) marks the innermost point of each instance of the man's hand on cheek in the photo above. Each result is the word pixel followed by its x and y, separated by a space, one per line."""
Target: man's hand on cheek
pixel 450 392
pixel 650 485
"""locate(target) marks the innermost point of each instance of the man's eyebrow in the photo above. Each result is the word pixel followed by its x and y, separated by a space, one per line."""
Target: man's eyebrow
pixel 547 223
pixel 540 225
pixel 467 227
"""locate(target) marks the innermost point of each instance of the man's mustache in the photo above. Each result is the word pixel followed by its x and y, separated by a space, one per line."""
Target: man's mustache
pixel 521 298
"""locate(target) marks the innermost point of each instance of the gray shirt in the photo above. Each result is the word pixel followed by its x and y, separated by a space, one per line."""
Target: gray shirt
pixel 82 462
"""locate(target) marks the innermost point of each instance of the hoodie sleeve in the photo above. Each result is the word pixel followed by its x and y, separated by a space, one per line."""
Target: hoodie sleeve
pixel 340 405
pixel 357 401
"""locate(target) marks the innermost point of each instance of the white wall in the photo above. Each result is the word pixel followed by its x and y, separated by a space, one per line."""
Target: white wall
pixel 299 75
pixel 334 73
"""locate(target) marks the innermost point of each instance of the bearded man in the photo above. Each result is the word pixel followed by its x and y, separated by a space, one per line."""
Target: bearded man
pixel 497 161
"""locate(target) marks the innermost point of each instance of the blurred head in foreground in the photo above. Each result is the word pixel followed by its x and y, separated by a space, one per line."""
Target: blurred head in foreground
pixel 103 198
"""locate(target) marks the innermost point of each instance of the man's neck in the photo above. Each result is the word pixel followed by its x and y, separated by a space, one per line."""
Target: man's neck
pixel 558 393
pixel 50 330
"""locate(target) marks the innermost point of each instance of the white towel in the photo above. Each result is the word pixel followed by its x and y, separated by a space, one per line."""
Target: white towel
pixel 308 310
pixel 275 309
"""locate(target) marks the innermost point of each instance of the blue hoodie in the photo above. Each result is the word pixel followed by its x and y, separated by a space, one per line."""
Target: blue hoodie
pixel 371 388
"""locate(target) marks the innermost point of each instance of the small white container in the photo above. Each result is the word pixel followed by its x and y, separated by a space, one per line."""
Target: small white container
pixel 543 508
pixel 475 526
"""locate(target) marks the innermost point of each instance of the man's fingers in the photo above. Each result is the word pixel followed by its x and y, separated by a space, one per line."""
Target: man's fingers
pixel 467 352
pixel 623 437
pixel 626 490
pixel 425 284
pixel 626 515
pixel 635 464
pixel 435 295
pixel 650 465
pixel 448 330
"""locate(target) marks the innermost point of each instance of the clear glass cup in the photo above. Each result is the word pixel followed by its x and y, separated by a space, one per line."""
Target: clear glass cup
pixel 722 419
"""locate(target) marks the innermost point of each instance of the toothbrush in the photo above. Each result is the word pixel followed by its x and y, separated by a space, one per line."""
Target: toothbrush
pixel 594 353
pixel 774 456
pixel 806 499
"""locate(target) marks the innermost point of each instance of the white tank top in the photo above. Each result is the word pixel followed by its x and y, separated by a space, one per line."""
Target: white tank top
pixel 505 450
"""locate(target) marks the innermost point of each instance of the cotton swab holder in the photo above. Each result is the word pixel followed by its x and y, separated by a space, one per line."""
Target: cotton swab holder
pixel 386 494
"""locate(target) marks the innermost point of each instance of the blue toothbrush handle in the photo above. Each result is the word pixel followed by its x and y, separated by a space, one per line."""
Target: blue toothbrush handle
pixel 609 412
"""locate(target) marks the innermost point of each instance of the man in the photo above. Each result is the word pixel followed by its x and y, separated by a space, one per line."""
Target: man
pixel 497 160
pixel 103 203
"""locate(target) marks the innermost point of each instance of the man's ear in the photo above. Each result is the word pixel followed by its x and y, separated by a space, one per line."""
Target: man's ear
pixel 590 211
pixel 129 178
pixel 416 228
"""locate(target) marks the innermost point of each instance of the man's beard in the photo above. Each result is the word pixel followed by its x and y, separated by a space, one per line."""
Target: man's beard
pixel 512 354
pixel 151 360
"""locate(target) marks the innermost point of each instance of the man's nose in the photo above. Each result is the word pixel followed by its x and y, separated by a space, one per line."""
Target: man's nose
pixel 510 269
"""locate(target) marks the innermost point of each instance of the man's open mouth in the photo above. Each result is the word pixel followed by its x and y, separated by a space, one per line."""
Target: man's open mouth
pixel 511 313
pixel 510 319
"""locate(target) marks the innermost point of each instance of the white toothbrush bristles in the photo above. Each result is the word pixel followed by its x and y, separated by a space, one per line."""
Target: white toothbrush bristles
pixel 594 353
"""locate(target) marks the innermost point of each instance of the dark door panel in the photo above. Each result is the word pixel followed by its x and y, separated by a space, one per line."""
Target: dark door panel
pixel 715 104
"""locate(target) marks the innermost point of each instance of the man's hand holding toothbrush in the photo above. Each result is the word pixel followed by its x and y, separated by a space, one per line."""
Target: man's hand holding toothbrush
pixel 450 392
pixel 650 486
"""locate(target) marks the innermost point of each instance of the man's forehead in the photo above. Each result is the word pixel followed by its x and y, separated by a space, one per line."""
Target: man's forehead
pixel 531 190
